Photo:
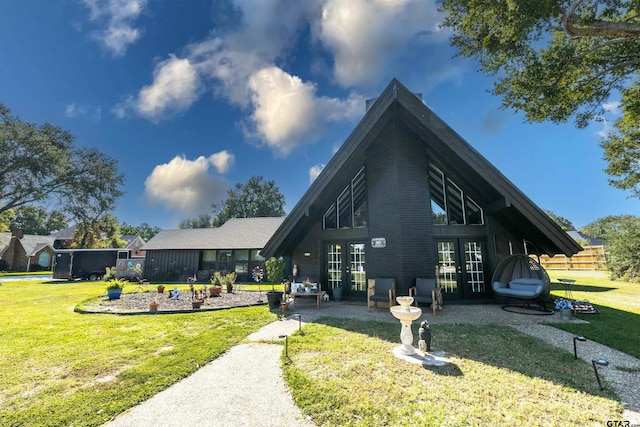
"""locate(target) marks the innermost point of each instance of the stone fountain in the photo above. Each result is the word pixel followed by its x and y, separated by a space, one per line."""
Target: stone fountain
pixel 406 313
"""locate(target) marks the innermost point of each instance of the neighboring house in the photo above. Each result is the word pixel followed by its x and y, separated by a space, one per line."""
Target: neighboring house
pixel 134 244
pixel 62 239
pixel 404 194
pixel 25 252
pixel 581 237
pixel 174 255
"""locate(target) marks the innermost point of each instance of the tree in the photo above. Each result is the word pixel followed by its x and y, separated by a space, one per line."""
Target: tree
pixel 622 235
pixel 201 221
pixel 37 220
pixel 100 233
pixel 557 59
pixel 144 230
pixel 40 162
pixel 623 248
pixel 254 199
pixel 563 222
pixel 604 228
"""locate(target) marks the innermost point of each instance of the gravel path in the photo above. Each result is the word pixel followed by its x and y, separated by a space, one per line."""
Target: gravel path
pixel 259 397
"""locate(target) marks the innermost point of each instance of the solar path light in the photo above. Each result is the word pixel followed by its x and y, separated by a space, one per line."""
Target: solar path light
pixel 575 350
pixel 596 363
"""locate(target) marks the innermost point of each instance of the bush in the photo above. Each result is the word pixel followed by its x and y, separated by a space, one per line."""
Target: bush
pixel 275 270
pixel 624 247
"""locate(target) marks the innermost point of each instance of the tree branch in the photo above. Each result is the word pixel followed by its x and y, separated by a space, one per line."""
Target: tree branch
pixel 598 28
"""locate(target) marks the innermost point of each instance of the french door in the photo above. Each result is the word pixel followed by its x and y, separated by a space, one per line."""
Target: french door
pixel 346 266
pixel 462 268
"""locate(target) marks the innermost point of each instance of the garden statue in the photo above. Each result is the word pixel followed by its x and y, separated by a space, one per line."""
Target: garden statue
pixel 424 337
pixel 175 293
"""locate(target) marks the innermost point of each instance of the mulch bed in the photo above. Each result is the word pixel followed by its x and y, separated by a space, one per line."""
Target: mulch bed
pixel 136 303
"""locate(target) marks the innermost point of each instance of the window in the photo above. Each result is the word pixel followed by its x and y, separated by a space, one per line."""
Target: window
pixel 449 204
pixel 242 261
pixel 44 260
pixel 350 208
pixel 224 260
pixel 329 219
pixel 436 187
pixel 344 209
pixel 359 188
pixel 209 260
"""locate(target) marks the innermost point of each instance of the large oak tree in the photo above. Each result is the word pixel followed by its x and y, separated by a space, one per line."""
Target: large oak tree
pixel 41 162
pixel 561 59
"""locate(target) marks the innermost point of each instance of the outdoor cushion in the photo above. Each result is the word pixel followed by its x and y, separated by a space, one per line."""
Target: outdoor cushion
pixel 527 281
pixel 497 286
pixel 382 290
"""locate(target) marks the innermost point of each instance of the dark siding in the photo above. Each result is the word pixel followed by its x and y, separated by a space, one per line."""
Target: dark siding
pixel 399 208
pixel 171 265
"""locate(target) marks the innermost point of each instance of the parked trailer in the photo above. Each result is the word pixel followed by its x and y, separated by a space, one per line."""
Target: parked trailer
pixel 88 264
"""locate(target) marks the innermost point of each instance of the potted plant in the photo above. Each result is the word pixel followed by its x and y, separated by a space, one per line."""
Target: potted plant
pixel 564 306
pixel 284 303
pixel 275 270
pixel 160 289
pixel 216 284
pixel 337 293
pixel 153 306
pixel 114 288
pixel 228 280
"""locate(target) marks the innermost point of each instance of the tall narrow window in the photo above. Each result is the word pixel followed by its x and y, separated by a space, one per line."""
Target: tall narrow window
pixel 436 187
pixel 345 209
pixel 359 186
pixel 455 211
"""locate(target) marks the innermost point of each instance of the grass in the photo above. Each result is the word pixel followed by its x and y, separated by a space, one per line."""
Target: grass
pixel 618 324
pixel 61 368
pixel 343 372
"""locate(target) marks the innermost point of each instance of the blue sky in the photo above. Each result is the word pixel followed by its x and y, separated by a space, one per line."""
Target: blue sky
pixel 192 97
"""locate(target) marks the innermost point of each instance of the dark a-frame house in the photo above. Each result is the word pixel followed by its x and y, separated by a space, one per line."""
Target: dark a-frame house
pixel 406 193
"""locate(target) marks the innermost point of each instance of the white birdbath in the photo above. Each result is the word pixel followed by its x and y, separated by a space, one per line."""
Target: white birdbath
pixel 406 314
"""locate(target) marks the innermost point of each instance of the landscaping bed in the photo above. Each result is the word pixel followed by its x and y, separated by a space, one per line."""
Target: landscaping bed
pixel 139 302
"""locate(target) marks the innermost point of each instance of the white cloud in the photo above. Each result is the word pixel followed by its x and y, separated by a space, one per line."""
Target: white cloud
pixel 118 16
pixel 612 110
pixel 175 87
pixel 314 171
pixel 364 35
pixel 612 107
pixel 185 186
pixel 245 59
pixel 222 161
pixel 286 111
pixel 74 110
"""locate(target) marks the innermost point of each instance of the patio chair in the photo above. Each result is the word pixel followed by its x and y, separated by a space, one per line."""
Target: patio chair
pixel 521 277
pixel 381 290
pixel 427 291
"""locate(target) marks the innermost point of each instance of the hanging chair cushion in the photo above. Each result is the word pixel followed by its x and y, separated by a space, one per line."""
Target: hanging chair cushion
pixel 524 287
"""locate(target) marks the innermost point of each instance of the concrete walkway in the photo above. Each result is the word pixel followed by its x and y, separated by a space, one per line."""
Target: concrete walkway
pixel 247 384
pixel 243 387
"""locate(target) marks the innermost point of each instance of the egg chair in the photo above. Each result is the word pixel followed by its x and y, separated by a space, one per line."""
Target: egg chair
pixel 522 278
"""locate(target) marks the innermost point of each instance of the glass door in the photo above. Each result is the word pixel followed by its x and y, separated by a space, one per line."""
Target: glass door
pixel 346 267
pixel 461 268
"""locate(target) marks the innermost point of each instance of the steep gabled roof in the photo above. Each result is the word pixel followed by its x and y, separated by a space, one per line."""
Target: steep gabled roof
pixel 31 243
pixel 237 233
pixel 502 200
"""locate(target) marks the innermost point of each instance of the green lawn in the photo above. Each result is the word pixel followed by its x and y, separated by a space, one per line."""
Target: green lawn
pixel 618 324
pixel 343 372
pixel 61 368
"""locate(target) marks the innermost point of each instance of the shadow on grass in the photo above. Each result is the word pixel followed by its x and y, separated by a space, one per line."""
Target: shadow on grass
pixel 498 346
pixel 555 286
pixel 611 327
